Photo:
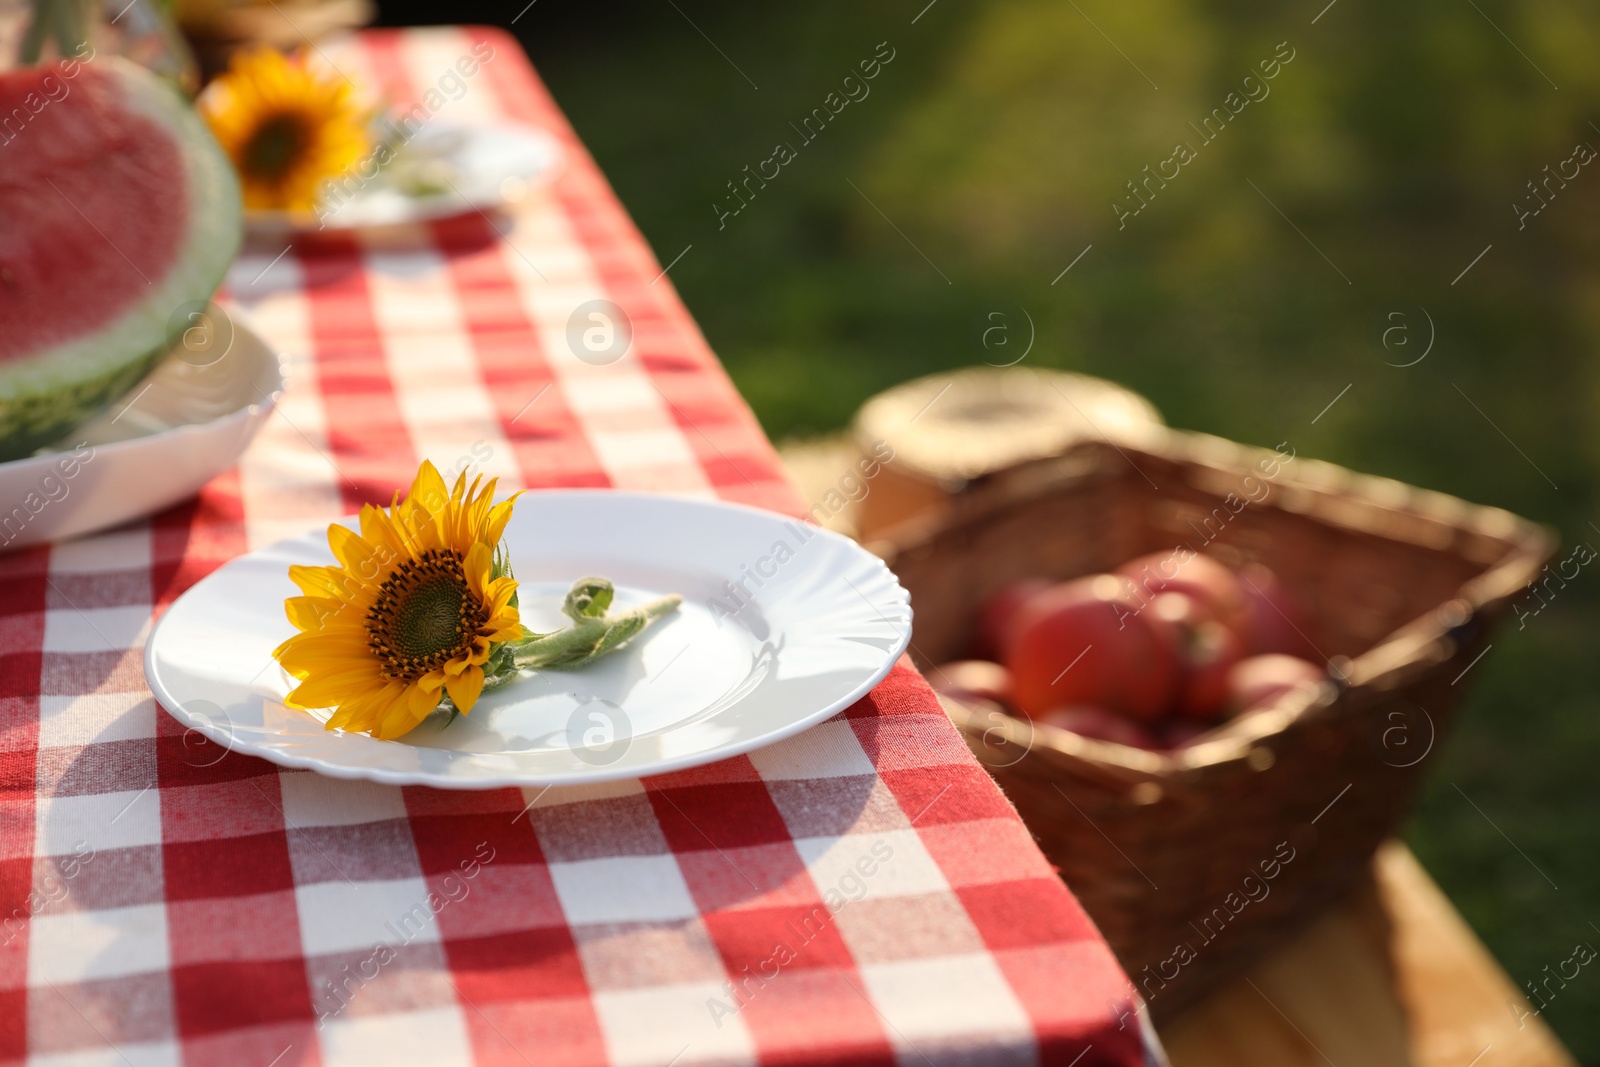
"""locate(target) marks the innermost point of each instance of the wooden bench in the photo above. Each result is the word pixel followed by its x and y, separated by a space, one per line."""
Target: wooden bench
pixel 1391 977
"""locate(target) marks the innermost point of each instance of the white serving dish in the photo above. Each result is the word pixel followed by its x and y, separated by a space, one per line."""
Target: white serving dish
pixel 185 423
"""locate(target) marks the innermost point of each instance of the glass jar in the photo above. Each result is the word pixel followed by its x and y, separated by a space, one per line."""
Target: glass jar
pixel 39 31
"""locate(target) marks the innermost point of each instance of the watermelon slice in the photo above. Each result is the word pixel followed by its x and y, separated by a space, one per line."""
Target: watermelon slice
pixel 118 215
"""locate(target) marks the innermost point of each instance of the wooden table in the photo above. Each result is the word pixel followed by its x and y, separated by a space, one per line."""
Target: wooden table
pixel 1391 976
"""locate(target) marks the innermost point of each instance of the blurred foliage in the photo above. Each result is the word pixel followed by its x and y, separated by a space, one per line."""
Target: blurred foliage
pixel 1397 141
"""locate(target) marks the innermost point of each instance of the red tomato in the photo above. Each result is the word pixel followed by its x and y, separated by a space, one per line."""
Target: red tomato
pixel 999 612
pixel 1084 642
pixel 1086 720
pixel 1205 649
pixel 1182 734
pixel 972 679
pixel 1275 620
pixel 1185 571
pixel 1261 680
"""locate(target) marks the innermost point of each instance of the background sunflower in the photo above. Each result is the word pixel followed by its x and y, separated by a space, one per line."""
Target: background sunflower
pixel 288 129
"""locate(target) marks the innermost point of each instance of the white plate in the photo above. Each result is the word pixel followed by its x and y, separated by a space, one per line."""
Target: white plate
pixel 185 423
pixel 822 628
pixel 487 165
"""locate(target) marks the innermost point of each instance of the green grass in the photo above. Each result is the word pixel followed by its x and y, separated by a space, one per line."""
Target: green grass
pixel 1396 141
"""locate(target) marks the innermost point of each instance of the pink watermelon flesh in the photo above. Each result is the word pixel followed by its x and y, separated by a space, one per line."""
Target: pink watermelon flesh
pixel 94 206
pixel 119 216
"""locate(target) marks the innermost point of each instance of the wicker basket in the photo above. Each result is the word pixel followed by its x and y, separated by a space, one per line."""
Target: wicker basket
pixel 1194 861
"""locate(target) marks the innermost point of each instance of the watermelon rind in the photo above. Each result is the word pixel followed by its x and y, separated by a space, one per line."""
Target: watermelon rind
pixel 47 393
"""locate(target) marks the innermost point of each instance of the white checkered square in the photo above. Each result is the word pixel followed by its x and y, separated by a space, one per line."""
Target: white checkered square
pixel 556 796
pixel 337 916
pixel 437 1037
pixel 642 448
pixel 125 819
pixel 75 721
pixel 311 799
pixel 612 393
pixel 678 1020
pixel 126 1054
pixel 827 750
pixel 838 864
pixel 622 889
pixel 120 550
pixel 96 629
pixel 77 946
pixel 941 1001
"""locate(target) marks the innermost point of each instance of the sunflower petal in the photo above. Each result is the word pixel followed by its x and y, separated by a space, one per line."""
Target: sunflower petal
pixel 499 515
pixel 352 552
pixel 362 713
pixel 331 690
pixel 428 490
pixel 478 565
pixel 465 688
pixel 414 705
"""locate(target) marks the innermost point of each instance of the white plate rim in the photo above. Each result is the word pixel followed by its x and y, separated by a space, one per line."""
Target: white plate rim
pixel 356 772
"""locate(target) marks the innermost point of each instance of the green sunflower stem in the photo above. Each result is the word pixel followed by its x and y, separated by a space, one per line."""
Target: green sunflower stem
pixel 593 633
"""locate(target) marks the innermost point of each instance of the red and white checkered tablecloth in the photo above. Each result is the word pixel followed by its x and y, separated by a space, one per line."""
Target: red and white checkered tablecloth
pixel 859 894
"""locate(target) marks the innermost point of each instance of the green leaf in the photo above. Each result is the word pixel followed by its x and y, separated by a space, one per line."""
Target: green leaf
pixel 588 599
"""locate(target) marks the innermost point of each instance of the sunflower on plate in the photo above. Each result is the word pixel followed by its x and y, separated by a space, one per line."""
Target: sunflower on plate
pixel 288 128
pixel 420 611
pixel 410 612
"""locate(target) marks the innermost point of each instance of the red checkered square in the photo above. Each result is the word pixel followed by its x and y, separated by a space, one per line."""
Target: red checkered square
pixel 261 926
pixel 1075 995
pixel 911 742
pixel 501 898
pixel 275 1045
pixel 1022 914
pixel 517 966
pixel 13 1024
pixel 228 866
pixel 948 794
pixel 547 1030
pixel 217 997
pixel 797 937
pixel 183 760
pixel 20 671
pixel 21 629
pixel 448 844
pixel 983 850
pixel 783 1014
pixel 762 876
pixel 235 808
pixel 735 769
pixel 16 822
pixel 697 817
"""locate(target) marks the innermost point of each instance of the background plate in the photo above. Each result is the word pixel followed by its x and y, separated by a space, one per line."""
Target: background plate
pixel 824 622
pixel 489 164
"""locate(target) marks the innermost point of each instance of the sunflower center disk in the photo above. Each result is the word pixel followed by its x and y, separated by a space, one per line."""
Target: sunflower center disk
pixel 275 146
pixel 424 616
